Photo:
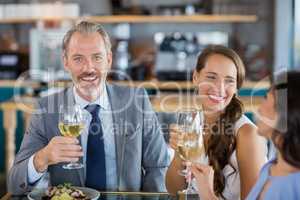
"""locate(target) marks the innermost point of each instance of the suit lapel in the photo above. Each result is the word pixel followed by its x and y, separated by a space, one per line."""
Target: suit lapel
pixel 118 103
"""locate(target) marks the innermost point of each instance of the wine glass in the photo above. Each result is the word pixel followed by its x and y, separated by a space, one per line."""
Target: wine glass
pixel 190 145
pixel 71 124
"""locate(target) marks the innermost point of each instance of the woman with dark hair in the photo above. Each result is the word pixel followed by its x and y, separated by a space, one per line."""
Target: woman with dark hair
pixel 234 153
pixel 279 120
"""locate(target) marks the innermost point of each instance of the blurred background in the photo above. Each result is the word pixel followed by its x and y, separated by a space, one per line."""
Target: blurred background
pixel 155 43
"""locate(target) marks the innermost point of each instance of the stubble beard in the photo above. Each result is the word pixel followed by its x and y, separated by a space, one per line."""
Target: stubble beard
pixel 90 92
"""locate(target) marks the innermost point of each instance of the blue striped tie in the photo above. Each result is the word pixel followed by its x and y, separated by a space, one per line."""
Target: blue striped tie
pixel 95 156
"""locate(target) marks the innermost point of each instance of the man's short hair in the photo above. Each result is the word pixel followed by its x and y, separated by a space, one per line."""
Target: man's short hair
pixel 86 27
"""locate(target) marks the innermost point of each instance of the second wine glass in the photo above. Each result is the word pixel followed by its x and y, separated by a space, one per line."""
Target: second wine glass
pixel 190 145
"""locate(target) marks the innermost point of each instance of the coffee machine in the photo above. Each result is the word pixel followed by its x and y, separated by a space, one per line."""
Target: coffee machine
pixel 177 52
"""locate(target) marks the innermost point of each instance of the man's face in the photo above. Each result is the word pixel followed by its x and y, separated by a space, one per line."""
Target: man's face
pixel 88 63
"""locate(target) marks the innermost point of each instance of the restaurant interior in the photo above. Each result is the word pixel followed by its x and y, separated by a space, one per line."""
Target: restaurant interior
pixel 155 45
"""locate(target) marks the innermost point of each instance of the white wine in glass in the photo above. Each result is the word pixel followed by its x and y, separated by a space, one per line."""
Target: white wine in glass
pixel 70 130
pixel 190 145
pixel 71 123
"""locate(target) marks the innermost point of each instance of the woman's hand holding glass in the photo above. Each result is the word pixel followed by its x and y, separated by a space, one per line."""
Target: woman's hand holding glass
pixel 187 139
pixel 204 175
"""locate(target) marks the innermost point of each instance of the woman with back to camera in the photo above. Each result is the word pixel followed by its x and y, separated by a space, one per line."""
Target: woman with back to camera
pixel 280 121
pixel 233 150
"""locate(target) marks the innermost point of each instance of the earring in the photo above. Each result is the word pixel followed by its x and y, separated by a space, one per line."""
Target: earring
pixel 196 91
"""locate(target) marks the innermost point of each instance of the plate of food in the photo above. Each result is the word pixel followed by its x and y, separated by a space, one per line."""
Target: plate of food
pixel 64 192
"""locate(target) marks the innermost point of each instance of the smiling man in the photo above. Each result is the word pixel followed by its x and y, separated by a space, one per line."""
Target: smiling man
pixel 126 151
pixel 88 58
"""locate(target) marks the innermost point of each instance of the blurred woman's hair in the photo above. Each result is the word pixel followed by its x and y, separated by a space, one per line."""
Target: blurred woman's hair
pixel 219 147
pixel 287 105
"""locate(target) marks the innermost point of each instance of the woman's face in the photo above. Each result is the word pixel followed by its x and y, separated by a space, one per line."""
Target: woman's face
pixel 266 116
pixel 216 82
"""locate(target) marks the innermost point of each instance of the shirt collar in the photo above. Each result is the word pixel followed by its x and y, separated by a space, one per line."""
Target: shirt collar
pixel 102 100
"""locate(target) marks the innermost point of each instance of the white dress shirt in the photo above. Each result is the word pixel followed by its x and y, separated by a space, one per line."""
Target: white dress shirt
pixel 105 115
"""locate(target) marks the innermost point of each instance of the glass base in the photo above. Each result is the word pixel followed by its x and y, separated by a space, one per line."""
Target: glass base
pixel 188 191
pixel 186 195
pixel 73 166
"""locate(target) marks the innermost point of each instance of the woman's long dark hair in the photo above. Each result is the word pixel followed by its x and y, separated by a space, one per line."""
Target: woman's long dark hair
pixel 221 143
pixel 287 105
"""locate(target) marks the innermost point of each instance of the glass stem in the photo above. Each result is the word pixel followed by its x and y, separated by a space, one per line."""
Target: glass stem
pixel 189 181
